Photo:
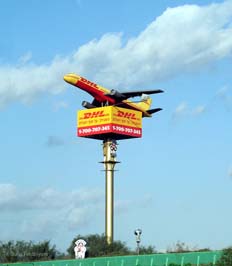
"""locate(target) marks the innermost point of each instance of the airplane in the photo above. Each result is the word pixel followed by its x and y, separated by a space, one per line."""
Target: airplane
pixel 106 97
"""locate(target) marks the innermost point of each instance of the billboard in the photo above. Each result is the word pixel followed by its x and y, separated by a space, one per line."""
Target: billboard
pixel 109 122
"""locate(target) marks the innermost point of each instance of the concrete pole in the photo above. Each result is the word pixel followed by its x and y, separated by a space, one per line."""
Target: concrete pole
pixel 109 153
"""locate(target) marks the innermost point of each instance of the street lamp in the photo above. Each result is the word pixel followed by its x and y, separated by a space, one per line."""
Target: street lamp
pixel 138 233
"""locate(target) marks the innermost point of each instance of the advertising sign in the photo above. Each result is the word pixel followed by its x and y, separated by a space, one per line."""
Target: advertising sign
pixel 109 122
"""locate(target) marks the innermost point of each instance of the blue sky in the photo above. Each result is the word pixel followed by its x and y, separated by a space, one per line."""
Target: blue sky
pixel 175 183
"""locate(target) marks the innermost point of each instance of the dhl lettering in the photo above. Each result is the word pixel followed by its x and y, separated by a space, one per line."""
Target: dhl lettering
pixel 88 82
pixel 126 115
pixel 93 114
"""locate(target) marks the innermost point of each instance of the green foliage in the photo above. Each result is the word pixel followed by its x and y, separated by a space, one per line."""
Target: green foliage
pixel 178 247
pixel 97 246
pixel 174 264
pixel 146 250
pixel 26 251
pixel 189 264
pixel 226 258
pixel 181 247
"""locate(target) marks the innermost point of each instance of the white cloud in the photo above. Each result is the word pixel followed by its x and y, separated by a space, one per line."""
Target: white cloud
pixel 183 110
pixel 182 39
pixel 180 111
pixel 44 213
pixel 25 58
pixel 7 194
pixel 79 217
pixel 199 110
pixel 36 211
pixel 123 206
pixel 225 96
pixel 46 198
pixel 40 225
pixel 60 105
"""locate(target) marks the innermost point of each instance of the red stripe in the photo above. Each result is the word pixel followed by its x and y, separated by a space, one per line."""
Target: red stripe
pixel 109 128
pixel 96 93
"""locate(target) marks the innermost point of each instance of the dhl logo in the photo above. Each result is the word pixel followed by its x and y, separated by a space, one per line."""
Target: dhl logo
pixel 126 115
pixel 101 113
pixel 88 82
pixel 92 84
pixel 94 114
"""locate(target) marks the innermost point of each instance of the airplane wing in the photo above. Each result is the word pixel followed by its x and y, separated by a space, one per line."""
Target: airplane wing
pixel 139 93
pixel 125 95
pixel 152 111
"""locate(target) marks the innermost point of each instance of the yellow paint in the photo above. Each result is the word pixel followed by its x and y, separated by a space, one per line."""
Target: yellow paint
pixel 142 106
pixel 109 115
pixel 71 78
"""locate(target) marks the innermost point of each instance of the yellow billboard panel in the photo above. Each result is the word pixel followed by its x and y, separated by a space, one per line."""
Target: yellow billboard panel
pixel 126 117
pixel 109 120
pixel 94 116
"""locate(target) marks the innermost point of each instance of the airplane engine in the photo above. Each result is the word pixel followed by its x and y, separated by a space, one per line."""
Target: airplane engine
pixel 117 95
pixel 88 105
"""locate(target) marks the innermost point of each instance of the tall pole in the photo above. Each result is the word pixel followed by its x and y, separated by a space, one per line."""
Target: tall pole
pixel 109 153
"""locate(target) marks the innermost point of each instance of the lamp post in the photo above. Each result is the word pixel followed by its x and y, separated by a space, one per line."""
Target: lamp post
pixel 138 233
pixel 109 153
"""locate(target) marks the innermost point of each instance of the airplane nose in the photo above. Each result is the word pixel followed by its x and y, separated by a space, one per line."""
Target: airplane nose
pixel 71 78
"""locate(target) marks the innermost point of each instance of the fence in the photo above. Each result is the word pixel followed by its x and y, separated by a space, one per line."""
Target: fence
pixel 182 259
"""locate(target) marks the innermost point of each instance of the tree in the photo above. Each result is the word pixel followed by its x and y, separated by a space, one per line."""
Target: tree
pixel 97 246
pixel 26 251
pixel 147 250
pixel 179 247
pixel 226 258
